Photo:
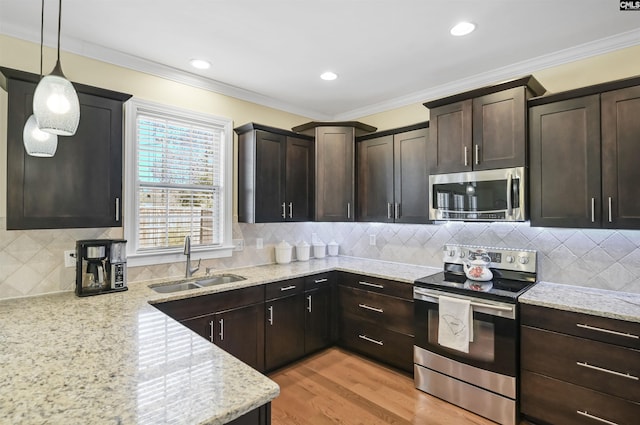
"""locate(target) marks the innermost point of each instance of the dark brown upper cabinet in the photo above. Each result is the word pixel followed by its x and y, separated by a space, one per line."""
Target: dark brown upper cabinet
pixel 584 154
pixel 335 167
pixel 482 129
pixel 275 178
pixel 81 186
pixel 393 175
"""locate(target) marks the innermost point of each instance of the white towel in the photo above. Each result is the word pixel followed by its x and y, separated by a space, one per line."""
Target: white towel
pixel 455 327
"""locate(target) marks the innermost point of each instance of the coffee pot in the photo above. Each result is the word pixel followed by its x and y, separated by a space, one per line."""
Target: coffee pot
pixel 477 266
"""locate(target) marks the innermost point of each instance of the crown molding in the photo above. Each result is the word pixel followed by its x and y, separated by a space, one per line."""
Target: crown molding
pixel 114 57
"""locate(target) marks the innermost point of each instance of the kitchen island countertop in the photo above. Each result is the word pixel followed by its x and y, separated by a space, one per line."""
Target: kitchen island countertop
pixel 115 359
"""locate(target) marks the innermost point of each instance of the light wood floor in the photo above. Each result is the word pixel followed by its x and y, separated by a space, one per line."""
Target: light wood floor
pixel 338 387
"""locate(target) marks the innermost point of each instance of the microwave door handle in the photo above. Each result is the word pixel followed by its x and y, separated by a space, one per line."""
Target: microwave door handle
pixel 509 192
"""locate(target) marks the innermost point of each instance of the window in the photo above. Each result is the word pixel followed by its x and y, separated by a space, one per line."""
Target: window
pixel 178 183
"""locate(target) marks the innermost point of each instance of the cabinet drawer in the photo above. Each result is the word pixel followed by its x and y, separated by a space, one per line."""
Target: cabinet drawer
pixel 318 281
pixel 619 332
pixel 559 403
pixel 604 367
pixel 377 285
pixel 386 312
pixel 284 288
pixel 211 303
pixel 376 342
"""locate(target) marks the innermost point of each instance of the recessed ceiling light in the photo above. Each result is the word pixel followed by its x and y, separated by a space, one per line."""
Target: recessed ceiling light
pixel 463 28
pixel 200 64
pixel 329 76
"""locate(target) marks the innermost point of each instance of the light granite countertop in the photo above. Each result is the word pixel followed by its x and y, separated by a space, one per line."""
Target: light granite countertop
pixel 579 299
pixel 115 359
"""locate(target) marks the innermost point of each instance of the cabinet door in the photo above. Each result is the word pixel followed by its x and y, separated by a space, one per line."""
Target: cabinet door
pixel 240 332
pixel 335 173
pixel 81 186
pixel 299 179
pixel 270 177
pixel 414 157
pixel 317 320
pixel 565 163
pixel 284 331
pixel 451 133
pixel 499 130
pixel 620 154
pixel 375 180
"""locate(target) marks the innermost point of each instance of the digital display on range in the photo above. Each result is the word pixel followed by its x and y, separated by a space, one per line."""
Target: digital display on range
pixel 496 257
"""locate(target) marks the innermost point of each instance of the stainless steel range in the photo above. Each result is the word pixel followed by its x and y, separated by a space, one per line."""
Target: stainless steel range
pixel 467 330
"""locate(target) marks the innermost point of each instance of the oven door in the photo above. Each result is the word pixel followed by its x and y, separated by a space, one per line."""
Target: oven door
pixel 490 195
pixel 495 330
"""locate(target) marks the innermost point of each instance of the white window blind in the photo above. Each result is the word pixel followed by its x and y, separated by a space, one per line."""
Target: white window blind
pixel 179 182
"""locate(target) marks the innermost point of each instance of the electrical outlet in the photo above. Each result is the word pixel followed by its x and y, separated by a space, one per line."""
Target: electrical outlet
pixel 238 244
pixel 259 244
pixel 372 240
pixel 70 258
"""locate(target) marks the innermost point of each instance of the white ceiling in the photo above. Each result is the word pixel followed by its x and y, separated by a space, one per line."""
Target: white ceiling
pixel 387 53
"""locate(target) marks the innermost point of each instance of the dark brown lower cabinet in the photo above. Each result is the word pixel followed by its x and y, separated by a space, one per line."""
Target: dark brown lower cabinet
pixel 317 320
pixel 284 324
pixel 578 369
pixel 259 416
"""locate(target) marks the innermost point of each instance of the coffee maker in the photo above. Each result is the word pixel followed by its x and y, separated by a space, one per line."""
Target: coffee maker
pixel 101 266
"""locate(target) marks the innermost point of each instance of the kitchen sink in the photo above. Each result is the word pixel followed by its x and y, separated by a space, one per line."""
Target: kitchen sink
pixel 219 279
pixel 175 287
pixel 201 283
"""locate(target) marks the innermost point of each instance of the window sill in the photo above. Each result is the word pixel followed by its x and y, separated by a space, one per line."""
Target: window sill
pixel 176 256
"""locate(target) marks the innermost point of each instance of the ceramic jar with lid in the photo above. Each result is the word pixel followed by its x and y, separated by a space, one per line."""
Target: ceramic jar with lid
pixel 303 251
pixel 333 248
pixel 283 252
pixel 319 250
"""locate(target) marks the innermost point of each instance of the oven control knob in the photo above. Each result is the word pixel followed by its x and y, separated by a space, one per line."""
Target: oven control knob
pixel 451 252
pixel 523 259
pixel 510 259
pixel 462 254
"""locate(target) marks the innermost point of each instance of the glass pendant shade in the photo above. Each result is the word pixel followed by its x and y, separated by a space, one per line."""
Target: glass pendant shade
pixel 37 142
pixel 56 105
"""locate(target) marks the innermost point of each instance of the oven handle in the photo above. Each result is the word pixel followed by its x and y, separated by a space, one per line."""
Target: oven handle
pixel 509 192
pixel 498 310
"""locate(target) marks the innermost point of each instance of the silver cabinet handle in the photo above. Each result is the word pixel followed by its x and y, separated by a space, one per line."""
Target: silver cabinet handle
pixel 287 288
pixel 397 211
pixel 477 155
pixel 320 280
pixel 309 303
pixel 610 217
pixel 117 209
pixel 348 209
pixel 271 315
pixel 509 192
pixel 389 210
pixel 593 210
pixel 290 209
pixel 466 162
pixel 368 307
pixel 374 285
pixel 221 330
pixel 612 372
pixel 608 331
pixel 284 212
pixel 366 338
pixel 211 331
pixel 586 414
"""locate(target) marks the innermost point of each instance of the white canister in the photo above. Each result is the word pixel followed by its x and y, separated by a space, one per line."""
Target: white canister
pixel 303 251
pixel 283 252
pixel 319 250
pixel 333 248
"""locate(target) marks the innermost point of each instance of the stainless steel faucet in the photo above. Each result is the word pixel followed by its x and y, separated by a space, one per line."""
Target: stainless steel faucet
pixel 187 251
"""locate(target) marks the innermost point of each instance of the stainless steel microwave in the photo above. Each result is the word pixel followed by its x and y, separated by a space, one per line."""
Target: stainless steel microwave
pixel 489 195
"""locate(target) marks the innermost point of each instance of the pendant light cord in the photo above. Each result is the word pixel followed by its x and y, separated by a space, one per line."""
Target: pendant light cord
pixel 59 25
pixel 41 36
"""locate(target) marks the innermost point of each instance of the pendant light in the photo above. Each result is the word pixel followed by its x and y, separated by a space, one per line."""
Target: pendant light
pixel 55 102
pixel 38 142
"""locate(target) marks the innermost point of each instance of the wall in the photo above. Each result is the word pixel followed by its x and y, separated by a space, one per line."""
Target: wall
pixel 31 262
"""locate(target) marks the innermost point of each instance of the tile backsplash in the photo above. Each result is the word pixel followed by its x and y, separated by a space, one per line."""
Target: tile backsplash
pixel 31 262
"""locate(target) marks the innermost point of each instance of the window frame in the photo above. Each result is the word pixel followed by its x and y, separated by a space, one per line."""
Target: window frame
pixel 136 257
